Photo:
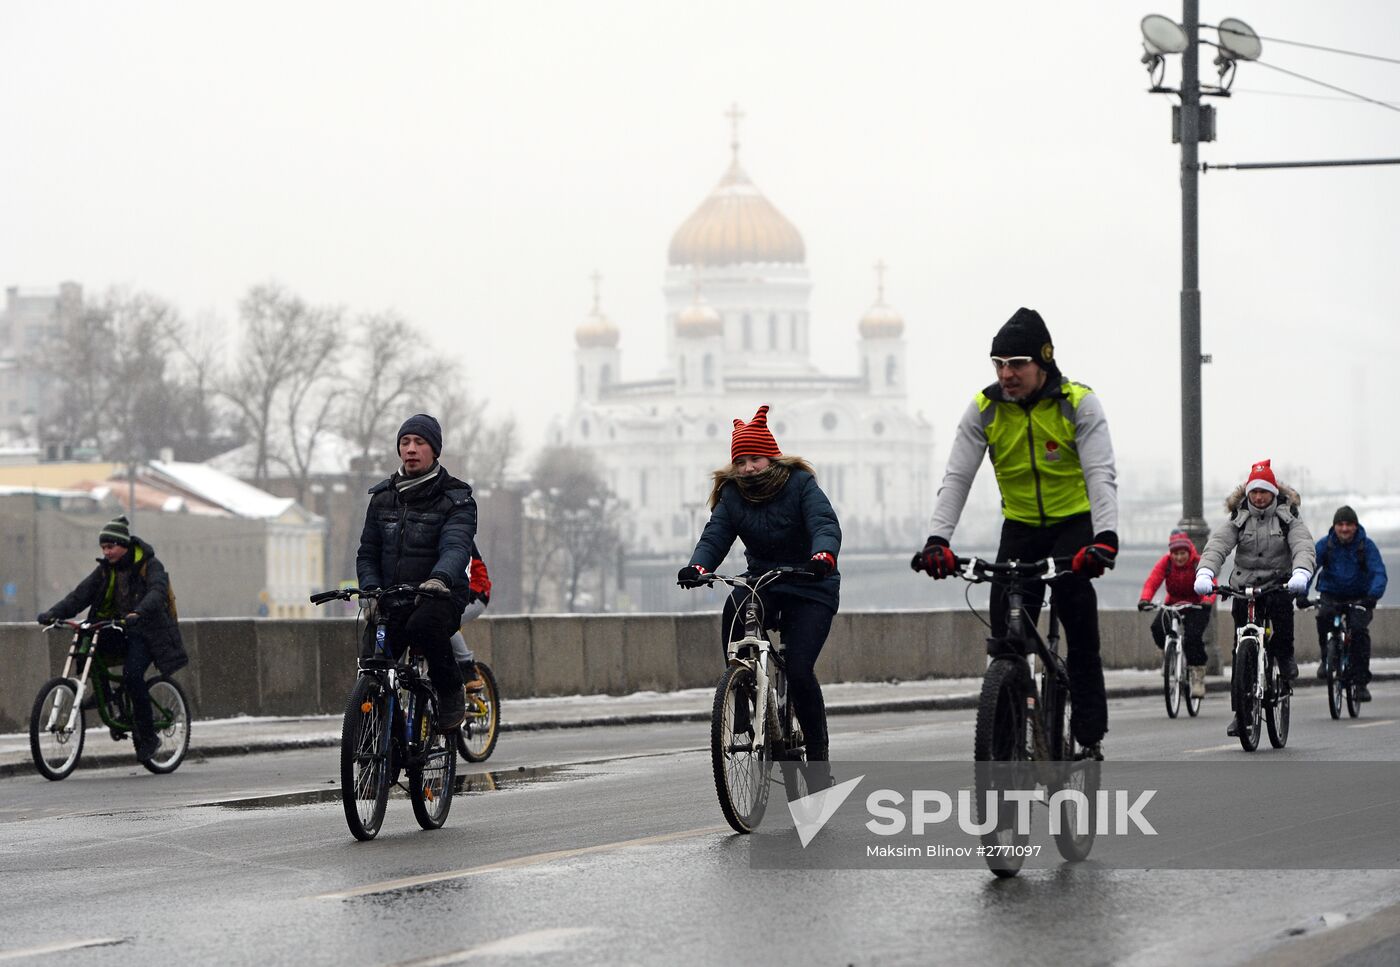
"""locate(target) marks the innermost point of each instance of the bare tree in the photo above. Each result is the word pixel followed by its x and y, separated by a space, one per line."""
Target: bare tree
pixel 575 521
pixel 481 447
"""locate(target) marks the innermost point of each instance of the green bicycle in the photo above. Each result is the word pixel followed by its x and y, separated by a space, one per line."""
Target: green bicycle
pixel 57 726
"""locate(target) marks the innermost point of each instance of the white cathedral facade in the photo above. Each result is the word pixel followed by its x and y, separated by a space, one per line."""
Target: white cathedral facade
pixel 738 335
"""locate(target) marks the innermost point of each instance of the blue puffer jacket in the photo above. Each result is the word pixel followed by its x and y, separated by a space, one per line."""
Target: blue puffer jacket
pixel 1352 570
pixel 784 531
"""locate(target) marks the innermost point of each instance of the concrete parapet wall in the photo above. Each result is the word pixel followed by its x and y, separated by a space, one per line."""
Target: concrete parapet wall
pixel 242 666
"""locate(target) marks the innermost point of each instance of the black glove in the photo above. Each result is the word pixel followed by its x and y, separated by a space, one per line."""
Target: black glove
pixel 1093 559
pixel 689 576
pixel 1370 603
pixel 45 618
pixel 1144 605
pixel 820 565
pixel 936 559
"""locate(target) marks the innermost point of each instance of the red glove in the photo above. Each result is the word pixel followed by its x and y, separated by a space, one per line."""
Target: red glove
pixel 689 576
pixel 1093 559
pixel 936 559
pixel 821 564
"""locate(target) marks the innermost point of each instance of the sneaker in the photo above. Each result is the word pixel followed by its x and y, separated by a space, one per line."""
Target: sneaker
pixel 1234 730
pixel 471 677
pixel 1362 693
pixel 1197 674
pixel 452 711
pixel 146 747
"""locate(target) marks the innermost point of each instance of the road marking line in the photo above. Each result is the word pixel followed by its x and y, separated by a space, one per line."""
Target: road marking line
pixel 519 861
pixel 1214 748
pixel 1371 725
pixel 532 942
pixel 60 947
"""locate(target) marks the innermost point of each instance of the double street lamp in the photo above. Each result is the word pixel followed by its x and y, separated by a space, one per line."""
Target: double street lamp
pixel 1193 123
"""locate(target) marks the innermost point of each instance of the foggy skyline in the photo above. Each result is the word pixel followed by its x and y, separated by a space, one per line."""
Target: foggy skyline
pixel 472 164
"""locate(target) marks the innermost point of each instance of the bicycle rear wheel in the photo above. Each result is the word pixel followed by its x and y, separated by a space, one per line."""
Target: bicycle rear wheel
pixel 1171 679
pixel 54 746
pixel 1279 700
pixel 741 760
pixel 1000 738
pixel 171 713
pixel 430 778
pixel 1247 707
pixel 476 739
pixel 364 758
pixel 1074 820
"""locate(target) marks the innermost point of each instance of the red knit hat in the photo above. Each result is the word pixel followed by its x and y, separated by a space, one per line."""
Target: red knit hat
pixel 752 438
pixel 1180 541
pixel 1261 477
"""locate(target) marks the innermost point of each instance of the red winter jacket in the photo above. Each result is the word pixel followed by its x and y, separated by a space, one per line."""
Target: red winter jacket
pixel 1180 581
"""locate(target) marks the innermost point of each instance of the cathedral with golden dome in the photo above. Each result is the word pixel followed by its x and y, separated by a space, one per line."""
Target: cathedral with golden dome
pixel 738 335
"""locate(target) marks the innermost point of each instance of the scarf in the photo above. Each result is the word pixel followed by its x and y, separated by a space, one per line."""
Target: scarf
pixel 407 485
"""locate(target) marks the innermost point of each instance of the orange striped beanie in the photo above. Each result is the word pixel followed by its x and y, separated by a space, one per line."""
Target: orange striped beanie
pixel 752 438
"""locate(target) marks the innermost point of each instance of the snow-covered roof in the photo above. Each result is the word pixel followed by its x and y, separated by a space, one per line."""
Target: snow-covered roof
pixel 217 487
pixel 331 457
pixel 48 492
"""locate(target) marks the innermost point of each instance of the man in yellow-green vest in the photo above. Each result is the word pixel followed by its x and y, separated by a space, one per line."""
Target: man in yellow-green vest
pixel 131 585
pixel 1048 443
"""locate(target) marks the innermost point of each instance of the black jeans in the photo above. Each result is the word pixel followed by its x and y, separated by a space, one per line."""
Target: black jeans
pixel 1075 603
pixel 429 625
pixel 1360 622
pixel 1193 628
pixel 803 625
pixel 134 665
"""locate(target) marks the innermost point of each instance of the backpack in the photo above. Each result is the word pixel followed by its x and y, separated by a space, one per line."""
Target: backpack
pixel 169 592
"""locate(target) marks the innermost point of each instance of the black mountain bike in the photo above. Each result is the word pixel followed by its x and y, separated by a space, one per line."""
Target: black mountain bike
pixel 1338 656
pixel 1023 738
pixel 390 726
pixel 1259 689
pixel 89 681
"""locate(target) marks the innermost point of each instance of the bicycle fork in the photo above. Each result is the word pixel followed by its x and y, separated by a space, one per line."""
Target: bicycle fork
pixel 79 693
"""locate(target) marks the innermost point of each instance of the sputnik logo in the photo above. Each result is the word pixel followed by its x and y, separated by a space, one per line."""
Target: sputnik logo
pixel 811 812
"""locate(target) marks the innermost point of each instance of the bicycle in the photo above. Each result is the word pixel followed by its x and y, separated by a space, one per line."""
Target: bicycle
pixel 1338 658
pixel 389 726
pixel 1023 718
pixel 1258 686
pixel 57 725
pixel 753 688
pixel 476 738
pixel 1176 684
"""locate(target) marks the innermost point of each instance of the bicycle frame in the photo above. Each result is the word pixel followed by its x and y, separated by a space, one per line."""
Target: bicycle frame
pixel 83 652
pixel 755 650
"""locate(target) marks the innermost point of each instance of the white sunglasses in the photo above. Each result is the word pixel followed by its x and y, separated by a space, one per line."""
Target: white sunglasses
pixel 1011 362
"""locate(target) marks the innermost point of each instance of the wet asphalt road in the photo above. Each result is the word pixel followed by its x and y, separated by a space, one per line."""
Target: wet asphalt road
pixel 622 857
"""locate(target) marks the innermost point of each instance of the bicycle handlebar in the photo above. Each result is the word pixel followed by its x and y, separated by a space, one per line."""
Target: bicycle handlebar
pixel 763 580
pixel 975 570
pixel 345 594
pixel 1179 606
pixel 119 623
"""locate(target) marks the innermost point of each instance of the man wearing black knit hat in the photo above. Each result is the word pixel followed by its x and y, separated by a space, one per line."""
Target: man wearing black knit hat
pixel 129 583
pixel 1349 572
pixel 419 529
pixel 1049 447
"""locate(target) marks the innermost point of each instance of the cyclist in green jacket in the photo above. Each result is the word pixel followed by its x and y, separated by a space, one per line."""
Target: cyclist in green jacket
pixel 1048 443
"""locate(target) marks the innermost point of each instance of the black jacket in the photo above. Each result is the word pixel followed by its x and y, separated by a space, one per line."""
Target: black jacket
pixel 147 593
pixel 427 534
pixel 784 531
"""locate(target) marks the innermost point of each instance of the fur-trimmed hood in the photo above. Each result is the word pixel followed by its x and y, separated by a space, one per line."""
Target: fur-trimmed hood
pixel 1286 494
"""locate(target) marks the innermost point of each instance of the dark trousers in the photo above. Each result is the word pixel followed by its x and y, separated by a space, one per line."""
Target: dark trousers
pixel 134 665
pixel 1360 622
pixel 1075 603
pixel 1193 628
pixel 428 626
pixel 803 625
pixel 1278 610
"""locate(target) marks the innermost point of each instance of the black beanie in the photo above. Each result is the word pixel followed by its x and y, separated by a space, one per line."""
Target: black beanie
pixel 421 424
pixel 116 531
pixel 1345 513
pixel 1025 334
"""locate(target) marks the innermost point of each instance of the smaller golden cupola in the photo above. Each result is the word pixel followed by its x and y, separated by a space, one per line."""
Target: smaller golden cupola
pixel 880 321
pixel 596 331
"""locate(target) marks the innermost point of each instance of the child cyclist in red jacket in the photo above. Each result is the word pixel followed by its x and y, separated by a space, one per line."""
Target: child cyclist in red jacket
pixel 1177 569
pixel 479 582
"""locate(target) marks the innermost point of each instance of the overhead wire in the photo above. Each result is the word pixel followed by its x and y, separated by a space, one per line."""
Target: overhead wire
pixel 1330 87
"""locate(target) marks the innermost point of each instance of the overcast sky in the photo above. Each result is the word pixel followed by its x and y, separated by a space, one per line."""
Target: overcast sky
pixel 470 164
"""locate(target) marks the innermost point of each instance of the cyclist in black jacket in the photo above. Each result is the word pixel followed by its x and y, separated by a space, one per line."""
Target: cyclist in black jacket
pixel 419 529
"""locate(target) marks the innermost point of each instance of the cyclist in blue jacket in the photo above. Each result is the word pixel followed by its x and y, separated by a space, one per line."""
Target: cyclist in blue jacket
pixel 1350 571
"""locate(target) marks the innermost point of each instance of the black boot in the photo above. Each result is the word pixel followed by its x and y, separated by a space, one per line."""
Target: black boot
pixel 147 745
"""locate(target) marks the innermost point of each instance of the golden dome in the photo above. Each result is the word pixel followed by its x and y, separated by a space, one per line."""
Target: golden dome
pixel 880 321
pixel 736 224
pixel 596 331
pixel 699 320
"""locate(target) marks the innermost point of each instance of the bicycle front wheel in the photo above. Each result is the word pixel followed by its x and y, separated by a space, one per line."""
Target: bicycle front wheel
pixel 430 778
pixel 999 742
pixel 1247 707
pixel 364 758
pixel 1276 710
pixel 739 750
pixel 171 713
pixel 55 733
pixel 1171 679
pixel 476 739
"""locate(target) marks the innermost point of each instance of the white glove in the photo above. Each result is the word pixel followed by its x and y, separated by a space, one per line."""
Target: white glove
pixel 1205 581
pixel 1298 583
pixel 434 586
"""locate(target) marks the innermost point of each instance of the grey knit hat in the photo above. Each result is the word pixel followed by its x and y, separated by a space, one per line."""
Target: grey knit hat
pixel 116 531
